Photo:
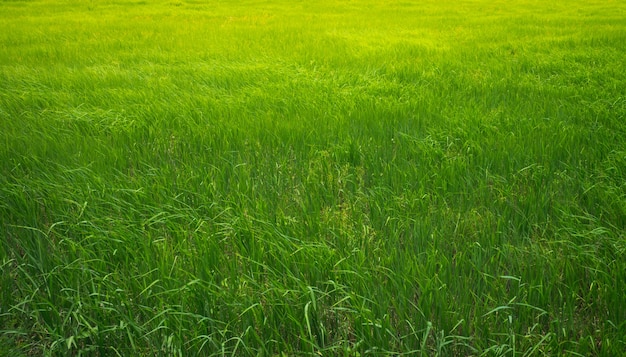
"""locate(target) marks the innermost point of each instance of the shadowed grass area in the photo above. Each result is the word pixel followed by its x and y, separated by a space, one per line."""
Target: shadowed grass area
pixel 341 178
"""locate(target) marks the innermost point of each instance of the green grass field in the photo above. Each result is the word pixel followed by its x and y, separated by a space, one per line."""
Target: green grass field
pixel 324 178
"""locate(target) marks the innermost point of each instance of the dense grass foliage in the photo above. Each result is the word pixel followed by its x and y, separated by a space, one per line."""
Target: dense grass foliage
pixel 337 178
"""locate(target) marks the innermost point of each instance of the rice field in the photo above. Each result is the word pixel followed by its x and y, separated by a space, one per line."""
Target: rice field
pixel 321 178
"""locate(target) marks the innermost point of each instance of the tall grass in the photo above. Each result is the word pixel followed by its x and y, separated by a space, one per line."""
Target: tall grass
pixel 312 178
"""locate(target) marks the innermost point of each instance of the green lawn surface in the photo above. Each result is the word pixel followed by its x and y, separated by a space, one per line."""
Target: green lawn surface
pixel 323 178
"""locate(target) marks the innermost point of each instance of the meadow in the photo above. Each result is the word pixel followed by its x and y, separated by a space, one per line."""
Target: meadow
pixel 323 178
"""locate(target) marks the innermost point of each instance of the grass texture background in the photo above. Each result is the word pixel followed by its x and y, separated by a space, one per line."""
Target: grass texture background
pixel 346 178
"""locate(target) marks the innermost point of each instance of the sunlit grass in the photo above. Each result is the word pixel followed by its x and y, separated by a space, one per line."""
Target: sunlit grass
pixel 312 178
